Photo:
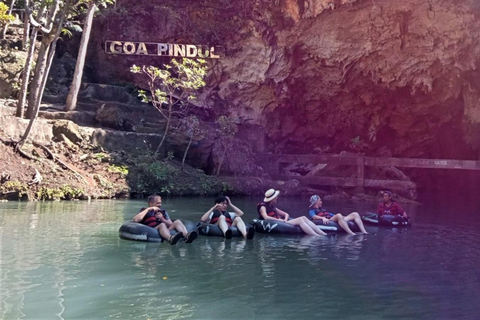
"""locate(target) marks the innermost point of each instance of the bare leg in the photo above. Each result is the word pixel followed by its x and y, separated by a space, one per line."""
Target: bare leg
pixel 313 226
pixel 222 224
pixel 238 222
pixel 164 231
pixel 358 220
pixel 343 223
pixel 306 227
pixel 178 225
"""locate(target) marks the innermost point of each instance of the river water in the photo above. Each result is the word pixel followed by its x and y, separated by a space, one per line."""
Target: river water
pixel 64 260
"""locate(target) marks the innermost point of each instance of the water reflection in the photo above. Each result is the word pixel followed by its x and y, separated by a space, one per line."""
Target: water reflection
pixel 64 260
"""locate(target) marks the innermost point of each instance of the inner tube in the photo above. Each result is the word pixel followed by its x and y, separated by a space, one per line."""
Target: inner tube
pixel 333 226
pixel 275 227
pixel 386 220
pixel 208 229
pixel 131 230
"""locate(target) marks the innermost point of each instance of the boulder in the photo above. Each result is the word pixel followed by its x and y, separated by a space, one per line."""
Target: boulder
pixel 111 116
pixel 68 129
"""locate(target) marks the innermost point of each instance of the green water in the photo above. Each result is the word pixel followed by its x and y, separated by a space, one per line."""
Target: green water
pixel 64 260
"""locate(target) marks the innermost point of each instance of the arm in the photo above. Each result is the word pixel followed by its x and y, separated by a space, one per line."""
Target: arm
pixel 165 218
pixel 265 216
pixel 139 217
pixel 325 220
pixel 312 215
pixel 400 211
pixel 238 212
pixel 206 215
pixel 284 214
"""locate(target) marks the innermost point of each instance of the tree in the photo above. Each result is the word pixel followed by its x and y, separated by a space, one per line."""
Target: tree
pixel 82 52
pixel 192 129
pixel 172 87
pixel 57 10
pixel 5 17
pixel 228 129
pixel 22 97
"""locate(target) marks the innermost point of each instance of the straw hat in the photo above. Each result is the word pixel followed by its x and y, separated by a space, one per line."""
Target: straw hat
pixel 271 194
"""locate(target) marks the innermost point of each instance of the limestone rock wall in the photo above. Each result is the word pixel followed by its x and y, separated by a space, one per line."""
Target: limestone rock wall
pixel 374 76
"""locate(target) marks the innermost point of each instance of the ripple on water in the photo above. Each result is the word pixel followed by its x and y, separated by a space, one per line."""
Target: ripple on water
pixel 79 268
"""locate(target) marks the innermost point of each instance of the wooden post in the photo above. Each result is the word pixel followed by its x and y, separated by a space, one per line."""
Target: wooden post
pixel 360 175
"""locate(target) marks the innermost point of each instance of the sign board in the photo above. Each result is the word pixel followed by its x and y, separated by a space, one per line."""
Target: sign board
pixel 160 49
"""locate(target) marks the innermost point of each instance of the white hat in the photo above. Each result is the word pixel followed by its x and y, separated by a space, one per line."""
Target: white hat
pixel 271 194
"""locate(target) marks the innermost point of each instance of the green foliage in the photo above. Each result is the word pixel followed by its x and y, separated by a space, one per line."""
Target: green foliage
pixel 185 76
pixel 191 126
pixel 170 156
pixel 5 18
pixel 166 177
pixel 64 192
pixel 102 182
pixel 100 156
pixel 14 185
pixel 171 87
pixel 357 144
pixel 122 170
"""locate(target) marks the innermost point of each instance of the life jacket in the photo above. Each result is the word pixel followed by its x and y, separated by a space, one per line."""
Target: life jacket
pixel 217 214
pixel 150 218
pixel 321 212
pixel 271 210
pixel 394 209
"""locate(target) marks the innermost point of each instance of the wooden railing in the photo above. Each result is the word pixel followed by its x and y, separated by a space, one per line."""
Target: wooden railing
pixel 272 165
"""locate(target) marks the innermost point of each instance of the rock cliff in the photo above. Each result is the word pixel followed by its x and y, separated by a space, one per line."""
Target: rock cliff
pixel 373 76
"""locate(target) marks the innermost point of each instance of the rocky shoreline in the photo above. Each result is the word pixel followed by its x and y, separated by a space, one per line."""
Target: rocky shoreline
pixel 72 162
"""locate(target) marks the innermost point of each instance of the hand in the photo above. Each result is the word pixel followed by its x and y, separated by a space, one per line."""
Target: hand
pixel 156 209
pixel 228 201
pixel 325 221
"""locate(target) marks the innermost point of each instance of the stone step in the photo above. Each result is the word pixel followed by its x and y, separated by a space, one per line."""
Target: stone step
pixel 82 118
pixel 149 130
pixel 87 106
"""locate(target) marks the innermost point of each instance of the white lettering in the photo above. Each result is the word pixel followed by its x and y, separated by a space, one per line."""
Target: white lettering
pixel 179 50
pixel 114 49
pixel 191 51
pixel 142 49
pixel 129 47
pixel 162 49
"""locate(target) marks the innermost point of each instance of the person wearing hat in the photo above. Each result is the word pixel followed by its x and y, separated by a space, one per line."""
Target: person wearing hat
pixel 268 211
pixel 317 212
pixel 218 215
pixel 390 207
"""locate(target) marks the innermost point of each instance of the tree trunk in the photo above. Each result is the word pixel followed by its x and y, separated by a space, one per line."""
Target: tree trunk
pixel 54 23
pixel 26 32
pixel 186 151
pixel 22 96
pixel 82 51
pixel 5 28
pixel 27 70
pixel 222 158
pixel 39 74
pixel 165 132
pixel 49 42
